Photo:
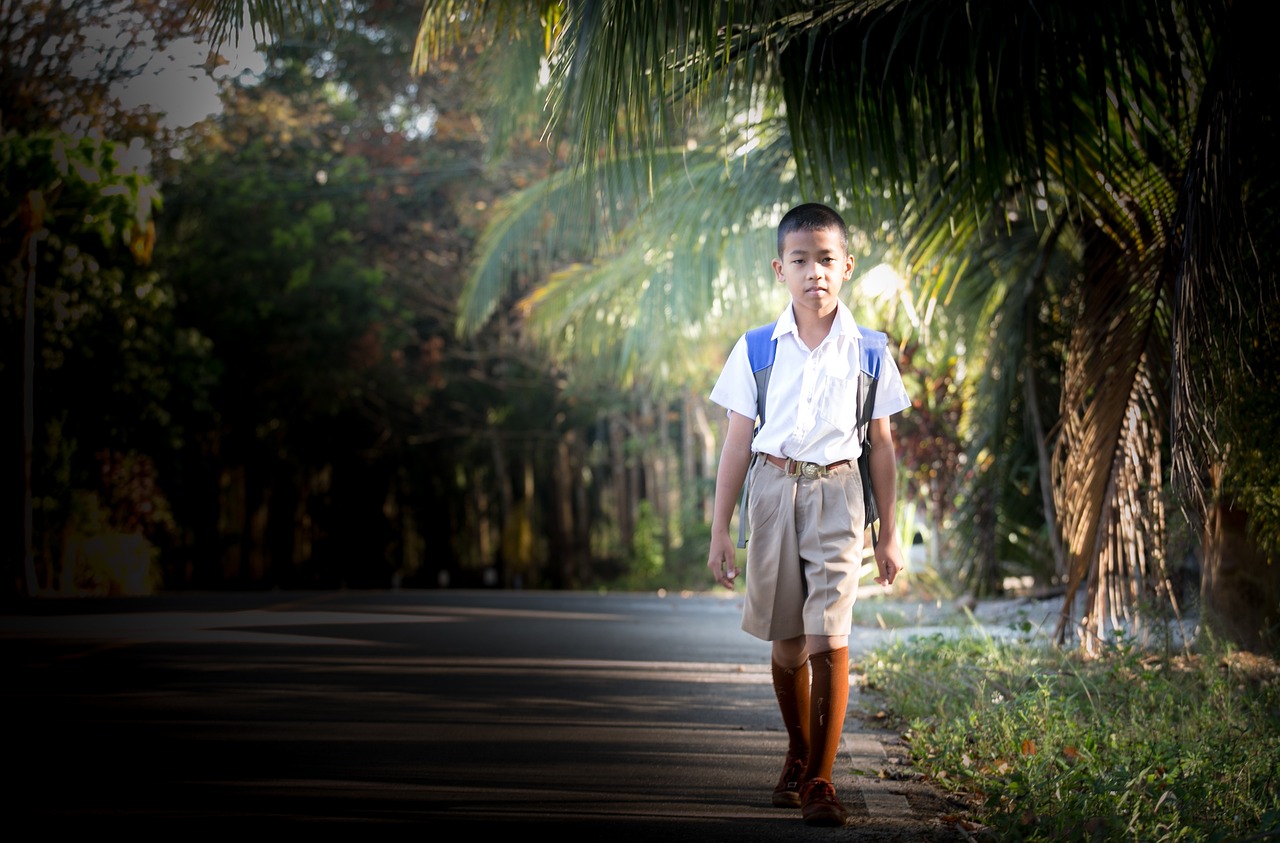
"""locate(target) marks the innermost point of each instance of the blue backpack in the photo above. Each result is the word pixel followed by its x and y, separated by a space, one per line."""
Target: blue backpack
pixel 761 348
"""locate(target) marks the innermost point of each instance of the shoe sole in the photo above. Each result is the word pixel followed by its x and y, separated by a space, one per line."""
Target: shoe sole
pixel 788 799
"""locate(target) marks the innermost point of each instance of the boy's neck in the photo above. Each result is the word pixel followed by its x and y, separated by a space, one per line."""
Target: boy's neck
pixel 813 327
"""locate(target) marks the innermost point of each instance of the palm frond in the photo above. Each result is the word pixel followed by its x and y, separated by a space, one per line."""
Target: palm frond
pixel 520 241
pixel 1225 272
pixel 1000 306
pixel 627 76
pixel 450 24
pixel 644 293
pixel 224 20
pixel 1108 456
pixel 984 85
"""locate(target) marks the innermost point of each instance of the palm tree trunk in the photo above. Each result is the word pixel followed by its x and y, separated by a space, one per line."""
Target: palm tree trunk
pixel 706 457
pixel 621 481
pixel 688 468
pixel 1239 585
pixel 231 521
pixel 561 508
pixel 1046 475
pixel 502 481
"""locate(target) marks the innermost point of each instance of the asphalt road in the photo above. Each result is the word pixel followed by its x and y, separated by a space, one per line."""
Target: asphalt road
pixel 636 717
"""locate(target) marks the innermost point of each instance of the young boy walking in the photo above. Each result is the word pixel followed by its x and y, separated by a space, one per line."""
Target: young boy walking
pixel 805 503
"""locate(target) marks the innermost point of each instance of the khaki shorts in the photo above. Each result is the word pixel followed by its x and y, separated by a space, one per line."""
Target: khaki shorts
pixel 804 553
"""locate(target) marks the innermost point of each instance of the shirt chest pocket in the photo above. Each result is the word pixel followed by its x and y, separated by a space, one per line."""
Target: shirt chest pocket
pixel 837 400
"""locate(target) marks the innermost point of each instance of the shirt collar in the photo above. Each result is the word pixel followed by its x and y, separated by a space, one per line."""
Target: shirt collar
pixel 844 325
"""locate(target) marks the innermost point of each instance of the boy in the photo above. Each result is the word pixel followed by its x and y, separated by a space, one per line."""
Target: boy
pixel 805 504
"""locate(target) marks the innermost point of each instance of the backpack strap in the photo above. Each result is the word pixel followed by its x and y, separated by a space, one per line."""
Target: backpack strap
pixel 761 349
pixel 873 345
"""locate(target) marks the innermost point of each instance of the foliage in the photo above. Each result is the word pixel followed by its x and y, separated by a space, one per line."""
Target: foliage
pixel 931 451
pixel 60 62
pixel 646 546
pixel 101 556
pixel 1251 481
pixel 99 354
pixel 608 291
pixel 1134 745
pixel 267 263
pixel 285 369
pixel 1093 144
pixel 225 20
pixel 106 363
pixel 309 235
pixel 1253 484
pixel 1070 181
pixel 314 234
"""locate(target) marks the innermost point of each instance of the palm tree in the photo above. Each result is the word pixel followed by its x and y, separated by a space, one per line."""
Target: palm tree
pixel 1119 147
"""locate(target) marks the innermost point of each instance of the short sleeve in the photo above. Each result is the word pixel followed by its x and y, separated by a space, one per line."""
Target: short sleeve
pixel 891 393
pixel 735 389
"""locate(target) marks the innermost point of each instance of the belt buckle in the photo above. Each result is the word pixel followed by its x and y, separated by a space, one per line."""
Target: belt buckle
pixel 810 469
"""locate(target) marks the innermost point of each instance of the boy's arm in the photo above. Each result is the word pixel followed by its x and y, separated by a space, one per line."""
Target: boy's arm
pixel 735 458
pixel 884 479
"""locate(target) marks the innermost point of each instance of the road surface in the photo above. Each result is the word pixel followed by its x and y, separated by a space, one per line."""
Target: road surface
pixel 627 716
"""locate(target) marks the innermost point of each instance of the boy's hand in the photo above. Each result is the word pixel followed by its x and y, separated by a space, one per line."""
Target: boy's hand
pixel 888 559
pixel 723 560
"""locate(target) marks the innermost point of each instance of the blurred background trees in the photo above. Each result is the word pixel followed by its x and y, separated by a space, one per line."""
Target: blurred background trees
pixel 435 298
pixel 272 394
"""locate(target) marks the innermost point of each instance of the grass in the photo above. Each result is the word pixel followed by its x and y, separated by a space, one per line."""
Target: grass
pixel 1132 746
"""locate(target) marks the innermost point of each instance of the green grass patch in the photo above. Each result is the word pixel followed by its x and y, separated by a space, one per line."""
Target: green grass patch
pixel 903 614
pixel 1132 746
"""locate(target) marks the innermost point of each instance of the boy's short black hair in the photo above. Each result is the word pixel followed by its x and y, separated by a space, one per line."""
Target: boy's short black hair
pixel 812 216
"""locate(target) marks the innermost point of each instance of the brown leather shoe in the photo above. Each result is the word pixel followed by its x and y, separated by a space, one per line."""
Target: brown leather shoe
pixel 819 805
pixel 787 793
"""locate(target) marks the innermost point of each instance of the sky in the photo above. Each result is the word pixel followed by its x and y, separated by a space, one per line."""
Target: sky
pixel 177 82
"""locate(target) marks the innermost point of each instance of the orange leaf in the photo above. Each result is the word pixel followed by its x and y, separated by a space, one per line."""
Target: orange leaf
pixel 1028 747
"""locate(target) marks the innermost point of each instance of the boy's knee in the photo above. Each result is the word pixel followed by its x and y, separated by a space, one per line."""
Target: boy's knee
pixel 825 643
pixel 790 652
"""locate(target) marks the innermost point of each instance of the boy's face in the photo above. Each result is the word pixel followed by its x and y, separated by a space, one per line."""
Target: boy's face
pixel 814 265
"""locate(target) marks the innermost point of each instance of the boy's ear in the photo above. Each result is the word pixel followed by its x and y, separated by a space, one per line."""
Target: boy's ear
pixel 777 270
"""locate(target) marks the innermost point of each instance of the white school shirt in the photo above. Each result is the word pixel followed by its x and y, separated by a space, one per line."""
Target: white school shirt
pixel 812 404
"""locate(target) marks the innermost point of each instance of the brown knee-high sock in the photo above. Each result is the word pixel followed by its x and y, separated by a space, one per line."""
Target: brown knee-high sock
pixel 828 699
pixel 791 687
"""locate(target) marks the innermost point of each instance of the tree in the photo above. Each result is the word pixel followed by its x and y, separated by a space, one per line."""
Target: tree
pixel 1110 128
pixel 311 235
pixel 1099 116
pixel 104 363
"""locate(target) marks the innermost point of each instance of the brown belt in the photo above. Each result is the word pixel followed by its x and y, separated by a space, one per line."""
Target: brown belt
pixel 805 469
